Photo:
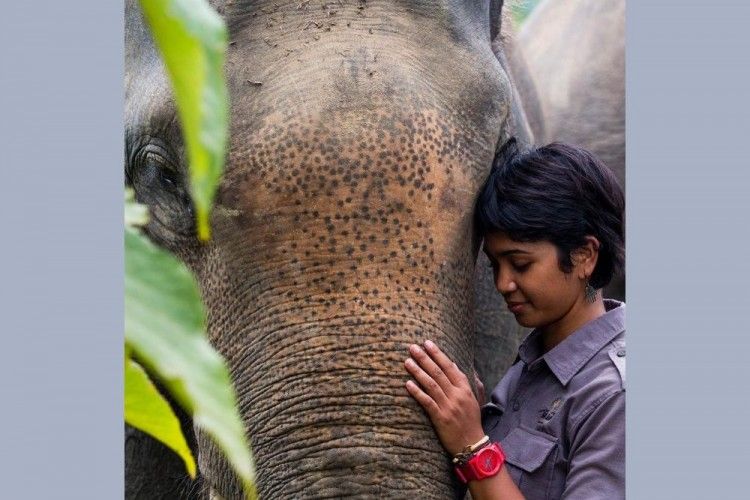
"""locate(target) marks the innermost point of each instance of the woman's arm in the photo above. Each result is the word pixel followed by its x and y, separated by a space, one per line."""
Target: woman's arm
pixel 597 463
pixel 445 394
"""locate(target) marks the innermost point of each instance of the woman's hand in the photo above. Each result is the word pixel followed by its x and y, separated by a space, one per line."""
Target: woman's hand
pixel 446 396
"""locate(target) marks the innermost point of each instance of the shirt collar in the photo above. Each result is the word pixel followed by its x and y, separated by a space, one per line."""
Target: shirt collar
pixel 570 355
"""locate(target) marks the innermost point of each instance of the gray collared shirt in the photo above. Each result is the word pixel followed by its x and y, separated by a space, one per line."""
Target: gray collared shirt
pixel 560 415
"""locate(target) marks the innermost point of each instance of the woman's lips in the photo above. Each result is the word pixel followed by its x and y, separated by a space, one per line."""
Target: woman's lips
pixel 516 307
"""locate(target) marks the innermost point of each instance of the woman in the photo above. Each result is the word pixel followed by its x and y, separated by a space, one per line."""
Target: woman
pixel 552 220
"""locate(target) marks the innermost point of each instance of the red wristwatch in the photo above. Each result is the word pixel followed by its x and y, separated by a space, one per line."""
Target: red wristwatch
pixel 484 463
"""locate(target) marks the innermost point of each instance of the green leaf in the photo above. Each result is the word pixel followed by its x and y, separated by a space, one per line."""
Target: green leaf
pixel 521 10
pixel 135 213
pixel 147 410
pixel 164 327
pixel 192 39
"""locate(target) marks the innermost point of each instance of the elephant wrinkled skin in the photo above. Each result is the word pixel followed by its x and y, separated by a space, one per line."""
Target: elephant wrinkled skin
pixel 360 134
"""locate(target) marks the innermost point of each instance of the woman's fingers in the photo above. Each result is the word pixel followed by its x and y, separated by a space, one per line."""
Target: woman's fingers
pixel 423 399
pixel 428 384
pixel 430 367
pixel 453 409
pixel 447 366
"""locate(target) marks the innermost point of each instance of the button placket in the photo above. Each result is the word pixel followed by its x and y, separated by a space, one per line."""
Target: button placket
pixel 523 385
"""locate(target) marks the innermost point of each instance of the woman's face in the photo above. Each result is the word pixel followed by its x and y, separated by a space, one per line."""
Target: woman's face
pixel 528 276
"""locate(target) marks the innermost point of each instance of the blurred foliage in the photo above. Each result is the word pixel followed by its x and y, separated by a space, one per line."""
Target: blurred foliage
pixel 192 41
pixel 520 10
pixel 164 316
pixel 147 410
pixel 165 333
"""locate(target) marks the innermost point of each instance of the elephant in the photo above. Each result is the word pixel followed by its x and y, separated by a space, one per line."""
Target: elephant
pixel 573 56
pixel 360 134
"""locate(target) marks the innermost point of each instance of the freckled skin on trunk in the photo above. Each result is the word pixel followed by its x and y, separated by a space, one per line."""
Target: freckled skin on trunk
pixel 361 133
pixel 342 249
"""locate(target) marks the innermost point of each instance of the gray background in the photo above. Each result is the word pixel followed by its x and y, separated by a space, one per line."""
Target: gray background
pixel 61 296
pixel 61 284
pixel 688 185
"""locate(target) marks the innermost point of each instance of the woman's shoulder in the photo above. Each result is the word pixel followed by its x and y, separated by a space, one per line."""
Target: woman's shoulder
pixel 600 379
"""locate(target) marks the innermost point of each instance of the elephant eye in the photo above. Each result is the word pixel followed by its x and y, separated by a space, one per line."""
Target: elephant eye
pixel 159 183
pixel 153 169
pixel 164 174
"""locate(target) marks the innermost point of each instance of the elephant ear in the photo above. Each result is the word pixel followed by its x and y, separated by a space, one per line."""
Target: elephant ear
pixel 496 18
pixel 497 333
pixel 525 109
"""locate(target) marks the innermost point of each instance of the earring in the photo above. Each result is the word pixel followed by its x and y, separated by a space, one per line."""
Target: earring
pixel 589 293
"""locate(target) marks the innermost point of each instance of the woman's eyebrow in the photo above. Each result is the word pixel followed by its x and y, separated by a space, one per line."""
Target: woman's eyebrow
pixel 505 253
pixel 512 251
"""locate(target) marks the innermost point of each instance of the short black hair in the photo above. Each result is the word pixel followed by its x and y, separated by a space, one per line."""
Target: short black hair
pixel 559 193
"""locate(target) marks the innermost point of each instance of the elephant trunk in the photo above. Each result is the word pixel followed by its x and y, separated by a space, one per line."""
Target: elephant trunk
pixel 316 341
pixel 329 415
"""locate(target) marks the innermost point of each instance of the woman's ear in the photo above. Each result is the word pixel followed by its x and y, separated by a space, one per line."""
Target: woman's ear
pixel 585 257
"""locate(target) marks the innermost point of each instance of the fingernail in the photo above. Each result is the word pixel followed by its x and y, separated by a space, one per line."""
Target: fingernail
pixel 429 344
pixel 414 348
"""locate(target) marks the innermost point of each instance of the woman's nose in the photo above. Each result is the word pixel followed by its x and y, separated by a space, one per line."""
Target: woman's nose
pixel 505 283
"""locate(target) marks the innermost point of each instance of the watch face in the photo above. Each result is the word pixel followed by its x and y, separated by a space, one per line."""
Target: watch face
pixel 488 460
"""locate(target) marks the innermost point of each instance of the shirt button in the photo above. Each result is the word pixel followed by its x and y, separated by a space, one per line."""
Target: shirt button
pixel 516 405
pixel 621 353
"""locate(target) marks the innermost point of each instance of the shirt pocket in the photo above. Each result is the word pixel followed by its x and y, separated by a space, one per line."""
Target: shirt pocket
pixel 530 458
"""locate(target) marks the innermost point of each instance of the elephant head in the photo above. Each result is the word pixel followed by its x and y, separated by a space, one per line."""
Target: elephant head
pixel 361 132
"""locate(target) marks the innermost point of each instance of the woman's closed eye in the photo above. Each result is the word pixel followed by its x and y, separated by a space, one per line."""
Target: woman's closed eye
pixel 520 267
